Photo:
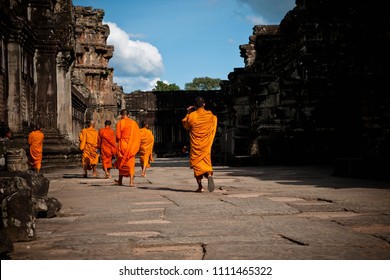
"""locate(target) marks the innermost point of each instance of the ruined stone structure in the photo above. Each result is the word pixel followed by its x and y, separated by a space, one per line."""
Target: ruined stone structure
pixel 164 112
pixel 54 72
pixel 36 59
pixel 312 88
pixel 92 76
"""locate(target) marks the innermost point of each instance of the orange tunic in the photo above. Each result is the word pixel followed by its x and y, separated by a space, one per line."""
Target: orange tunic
pixel 128 137
pixel 35 140
pixel 107 146
pixel 89 145
pixel 202 125
pixel 146 148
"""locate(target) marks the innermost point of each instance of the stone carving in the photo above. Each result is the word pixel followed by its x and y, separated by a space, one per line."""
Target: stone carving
pixel 54 72
pixel 23 197
pixel 18 219
pixel 17 160
pixel 312 87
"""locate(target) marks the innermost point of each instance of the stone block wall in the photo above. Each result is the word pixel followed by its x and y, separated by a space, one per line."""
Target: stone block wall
pixel 313 86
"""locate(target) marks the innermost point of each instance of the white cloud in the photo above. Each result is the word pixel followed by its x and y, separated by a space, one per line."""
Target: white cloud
pixel 256 20
pixel 131 84
pixel 136 63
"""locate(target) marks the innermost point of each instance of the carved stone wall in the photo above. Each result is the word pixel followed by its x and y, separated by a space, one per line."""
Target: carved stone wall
pixel 54 72
pixel 91 69
pixel 36 55
pixel 164 112
pixel 311 88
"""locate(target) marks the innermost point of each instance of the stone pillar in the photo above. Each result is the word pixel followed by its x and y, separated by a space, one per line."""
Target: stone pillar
pixel 14 82
pixel 3 94
pixel 46 89
pixel 64 97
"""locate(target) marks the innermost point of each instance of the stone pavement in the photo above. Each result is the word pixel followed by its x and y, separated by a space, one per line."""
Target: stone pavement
pixel 264 212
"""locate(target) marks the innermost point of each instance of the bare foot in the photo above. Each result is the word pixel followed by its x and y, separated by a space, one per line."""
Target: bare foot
pixel 200 190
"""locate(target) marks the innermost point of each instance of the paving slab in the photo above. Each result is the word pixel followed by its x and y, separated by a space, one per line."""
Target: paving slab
pixel 263 212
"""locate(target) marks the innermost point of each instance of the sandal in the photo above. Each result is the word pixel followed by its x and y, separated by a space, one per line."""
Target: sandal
pixel 210 185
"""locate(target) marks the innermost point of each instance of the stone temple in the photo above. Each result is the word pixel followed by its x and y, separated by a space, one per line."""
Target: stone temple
pixel 312 90
pixel 54 72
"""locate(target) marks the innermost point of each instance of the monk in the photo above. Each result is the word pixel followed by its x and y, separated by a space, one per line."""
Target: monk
pixel 107 147
pixel 146 148
pixel 202 125
pixel 35 140
pixel 89 139
pixel 128 137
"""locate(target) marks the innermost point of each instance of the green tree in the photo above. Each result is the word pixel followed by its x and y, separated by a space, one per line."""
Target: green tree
pixel 161 86
pixel 203 83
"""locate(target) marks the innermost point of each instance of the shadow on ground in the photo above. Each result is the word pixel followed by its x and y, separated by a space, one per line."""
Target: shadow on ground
pixel 318 176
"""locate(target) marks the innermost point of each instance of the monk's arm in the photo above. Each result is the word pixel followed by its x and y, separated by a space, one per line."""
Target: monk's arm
pixel 82 140
pixel 186 122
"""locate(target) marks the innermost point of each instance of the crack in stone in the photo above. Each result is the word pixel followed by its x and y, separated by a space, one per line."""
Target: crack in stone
pixel 325 200
pixel 228 202
pixel 164 196
pixel 293 240
pixel 337 222
pixel 381 238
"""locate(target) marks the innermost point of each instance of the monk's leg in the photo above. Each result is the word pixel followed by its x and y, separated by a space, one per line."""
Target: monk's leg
pixel 132 170
pixel 94 174
pixel 119 181
pixel 106 171
pixel 131 180
pixel 144 170
pixel 199 181
pixel 85 171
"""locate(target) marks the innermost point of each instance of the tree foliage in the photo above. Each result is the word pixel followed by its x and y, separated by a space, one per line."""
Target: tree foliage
pixel 161 86
pixel 203 83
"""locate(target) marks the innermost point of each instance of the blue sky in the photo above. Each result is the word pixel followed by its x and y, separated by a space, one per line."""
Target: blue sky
pixel 177 40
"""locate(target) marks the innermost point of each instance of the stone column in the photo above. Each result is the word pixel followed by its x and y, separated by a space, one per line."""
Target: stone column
pixel 64 96
pixel 14 82
pixel 46 89
pixel 3 94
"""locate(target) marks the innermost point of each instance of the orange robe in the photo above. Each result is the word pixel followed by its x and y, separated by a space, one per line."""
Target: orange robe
pixel 146 148
pixel 202 125
pixel 89 145
pixel 35 140
pixel 107 146
pixel 128 137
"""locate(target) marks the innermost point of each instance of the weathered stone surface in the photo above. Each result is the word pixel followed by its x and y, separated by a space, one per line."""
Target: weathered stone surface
pixel 311 89
pixel 18 219
pixel 46 207
pixel 92 76
pixel 23 197
pixel 257 214
pixel 54 72
pixel 6 245
pixel 17 160
pixel 38 183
